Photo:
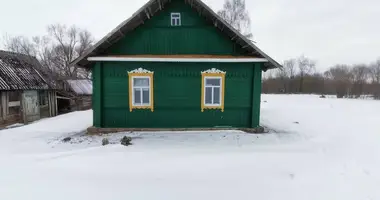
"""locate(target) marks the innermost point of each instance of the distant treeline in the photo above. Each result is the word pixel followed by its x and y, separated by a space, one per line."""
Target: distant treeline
pixel 299 76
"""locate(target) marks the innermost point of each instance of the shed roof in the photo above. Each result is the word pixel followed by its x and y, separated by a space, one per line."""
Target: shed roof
pixel 20 72
pixel 80 87
pixel 154 6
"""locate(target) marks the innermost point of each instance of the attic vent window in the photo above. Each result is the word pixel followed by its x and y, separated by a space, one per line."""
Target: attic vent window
pixel 176 19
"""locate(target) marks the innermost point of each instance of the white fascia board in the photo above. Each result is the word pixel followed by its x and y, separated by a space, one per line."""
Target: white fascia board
pixel 153 59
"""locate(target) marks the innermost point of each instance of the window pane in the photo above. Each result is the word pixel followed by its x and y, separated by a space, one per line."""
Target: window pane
pixel 212 82
pixel 216 95
pixel 208 95
pixel 137 96
pixel 141 82
pixel 145 96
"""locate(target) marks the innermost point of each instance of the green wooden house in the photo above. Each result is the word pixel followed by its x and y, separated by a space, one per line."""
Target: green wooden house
pixel 176 64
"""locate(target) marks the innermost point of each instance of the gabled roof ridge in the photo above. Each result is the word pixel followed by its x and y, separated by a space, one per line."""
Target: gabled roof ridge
pixel 272 63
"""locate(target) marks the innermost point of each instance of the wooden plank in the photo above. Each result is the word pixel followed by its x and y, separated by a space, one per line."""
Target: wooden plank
pixel 97 89
pixel 14 103
pixel 50 104
pixel 256 95
pixel 55 100
pixel 4 104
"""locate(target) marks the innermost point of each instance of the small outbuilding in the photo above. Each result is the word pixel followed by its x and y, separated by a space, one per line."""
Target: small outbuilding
pixel 25 95
pixel 176 64
pixel 78 92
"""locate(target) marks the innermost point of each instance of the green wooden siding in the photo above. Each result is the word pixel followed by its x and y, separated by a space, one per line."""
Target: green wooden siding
pixel 177 86
pixel 177 96
pixel 96 94
pixel 256 98
pixel 196 36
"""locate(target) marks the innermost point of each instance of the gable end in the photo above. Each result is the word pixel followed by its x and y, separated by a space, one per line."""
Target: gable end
pixel 152 8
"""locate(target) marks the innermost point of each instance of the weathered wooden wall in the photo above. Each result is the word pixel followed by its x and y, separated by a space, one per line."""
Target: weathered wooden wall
pixel 53 106
pixel 6 117
pixel 82 102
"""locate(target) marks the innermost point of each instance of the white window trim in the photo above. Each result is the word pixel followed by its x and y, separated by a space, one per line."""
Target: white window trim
pixel 212 91
pixel 142 87
pixel 177 18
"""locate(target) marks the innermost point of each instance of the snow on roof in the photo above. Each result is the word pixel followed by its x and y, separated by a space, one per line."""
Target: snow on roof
pixel 81 87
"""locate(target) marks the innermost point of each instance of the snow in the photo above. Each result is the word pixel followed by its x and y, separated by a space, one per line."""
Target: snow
pixel 316 149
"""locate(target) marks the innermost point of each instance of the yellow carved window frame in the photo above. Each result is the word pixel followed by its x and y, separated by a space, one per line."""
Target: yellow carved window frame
pixel 141 73
pixel 213 73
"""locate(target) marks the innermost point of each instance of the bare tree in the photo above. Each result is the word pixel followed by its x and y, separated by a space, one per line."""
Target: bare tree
pixel 56 50
pixel 20 44
pixel 234 13
pixel 375 78
pixel 340 78
pixel 305 67
pixel 69 43
pixel 290 71
pixel 290 67
pixel 375 71
pixel 359 76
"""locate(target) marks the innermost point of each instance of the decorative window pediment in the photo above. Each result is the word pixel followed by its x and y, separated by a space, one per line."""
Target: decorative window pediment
pixel 140 89
pixel 140 71
pixel 213 84
pixel 213 71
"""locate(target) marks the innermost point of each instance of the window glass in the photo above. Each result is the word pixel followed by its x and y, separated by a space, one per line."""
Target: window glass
pixel 137 94
pixel 212 91
pixel 212 82
pixel 216 95
pixel 141 91
pixel 141 82
pixel 208 95
pixel 145 96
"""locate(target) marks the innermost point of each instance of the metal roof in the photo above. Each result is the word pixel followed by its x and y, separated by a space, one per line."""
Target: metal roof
pixel 154 6
pixel 80 87
pixel 19 72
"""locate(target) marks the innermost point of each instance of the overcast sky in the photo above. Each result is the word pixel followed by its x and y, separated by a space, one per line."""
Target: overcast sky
pixel 329 31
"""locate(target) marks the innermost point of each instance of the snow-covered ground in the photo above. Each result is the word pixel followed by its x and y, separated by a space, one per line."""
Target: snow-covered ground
pixel 318 149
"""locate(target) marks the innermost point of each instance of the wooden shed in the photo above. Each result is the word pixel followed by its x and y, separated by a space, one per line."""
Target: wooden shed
pixel 176 64
pixel 25 94
pixel 76 94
